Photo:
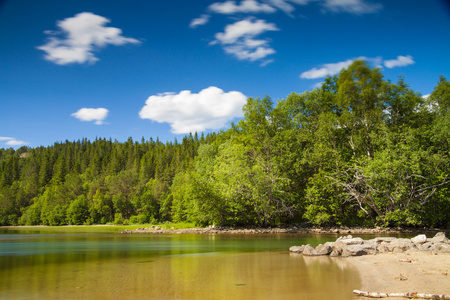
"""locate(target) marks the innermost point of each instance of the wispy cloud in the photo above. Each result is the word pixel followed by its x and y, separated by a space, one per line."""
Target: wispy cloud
pixel 326 69
pixel 246 46
pixel 188 112
pixel 202 20
pixel 96 115
pixel 357 7
pixel 240 39
pixel 331 69
pixel 400 61
pixel 10 141
pixel 84 33
pixel 246 6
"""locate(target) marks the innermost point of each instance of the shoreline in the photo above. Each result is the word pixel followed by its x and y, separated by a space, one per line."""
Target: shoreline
pixel 343 230
pixel 292 229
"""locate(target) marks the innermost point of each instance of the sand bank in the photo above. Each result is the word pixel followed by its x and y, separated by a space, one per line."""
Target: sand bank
pixel 416 271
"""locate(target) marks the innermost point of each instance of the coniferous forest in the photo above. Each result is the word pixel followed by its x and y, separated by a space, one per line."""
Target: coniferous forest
pixel 359 150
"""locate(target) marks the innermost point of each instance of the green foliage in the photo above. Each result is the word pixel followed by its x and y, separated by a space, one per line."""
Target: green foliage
pixel 78 211
pixel 358 150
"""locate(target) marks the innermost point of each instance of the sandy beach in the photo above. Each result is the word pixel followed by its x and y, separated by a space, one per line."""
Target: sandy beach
pixel 416 271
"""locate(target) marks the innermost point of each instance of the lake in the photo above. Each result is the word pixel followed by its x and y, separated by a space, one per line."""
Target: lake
pixel 145 266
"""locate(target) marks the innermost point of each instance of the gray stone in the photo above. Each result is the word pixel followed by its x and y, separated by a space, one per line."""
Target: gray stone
pixel 296 249
pixel 428 246
pixel 309 250
pixel 352 241
pixel 324 249
pixel 419 239
pixel 441 248
pixel 400 245
pixel 381 240
pixel 335 253
pixel 382 248
pixel 357 250
pixel 439 238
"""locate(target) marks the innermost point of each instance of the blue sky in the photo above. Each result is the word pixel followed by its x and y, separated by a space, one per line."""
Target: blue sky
pixel 147 68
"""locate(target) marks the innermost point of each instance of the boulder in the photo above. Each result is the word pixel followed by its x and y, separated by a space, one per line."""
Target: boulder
pixel 382 248
pixel 383 240
pixel 297 249
pixel 400 245
pixel 309 250
pixel 428 246
pixel 351 241
pixel 439 238
pixel 419 239
pixel 358 250
pixel 324 249
pixel 441 248
pixel 343 242
pixel 335 253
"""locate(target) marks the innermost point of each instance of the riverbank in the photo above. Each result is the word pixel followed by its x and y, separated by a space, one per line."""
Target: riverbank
pixel 296 229
pixel 187 228
pixel 418 271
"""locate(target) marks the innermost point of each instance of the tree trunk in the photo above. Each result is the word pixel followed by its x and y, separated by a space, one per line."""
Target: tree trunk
pixel 404 295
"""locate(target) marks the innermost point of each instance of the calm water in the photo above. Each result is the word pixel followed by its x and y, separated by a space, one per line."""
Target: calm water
pixel 113 266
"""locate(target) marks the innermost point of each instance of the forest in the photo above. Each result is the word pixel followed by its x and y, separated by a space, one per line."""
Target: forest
pixel 358 151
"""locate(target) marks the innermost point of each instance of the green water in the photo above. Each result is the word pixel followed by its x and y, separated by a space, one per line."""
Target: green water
pixel 114 266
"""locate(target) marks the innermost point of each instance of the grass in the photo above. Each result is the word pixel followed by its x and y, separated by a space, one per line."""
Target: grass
pixel 96 228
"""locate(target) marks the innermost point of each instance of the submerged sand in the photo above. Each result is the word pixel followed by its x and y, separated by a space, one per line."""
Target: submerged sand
pixel 418 271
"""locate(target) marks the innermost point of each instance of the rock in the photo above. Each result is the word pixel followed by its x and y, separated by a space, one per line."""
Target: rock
pixel 400 245
pixel 309 250
pixel 350 246
pixel 428 246
pixel 297 249
pixel 441 248
pixel 324 249
pixel 335 253
pixel 352 241
pixel 358 250
pixel 381 240
pixel 419 239
pixel 382 248
pixel 439 238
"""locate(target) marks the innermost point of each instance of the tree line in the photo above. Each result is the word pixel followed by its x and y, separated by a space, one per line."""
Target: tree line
pixel 359 150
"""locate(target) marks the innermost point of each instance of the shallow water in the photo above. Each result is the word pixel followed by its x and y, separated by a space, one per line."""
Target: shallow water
pixel 112 266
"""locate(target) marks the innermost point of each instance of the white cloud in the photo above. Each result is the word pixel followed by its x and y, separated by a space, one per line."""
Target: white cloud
pixel 244 29
pixel 286 6
pixel 10 141
pixel 98 115
pixel 239 39
pixel 186 112
pixel 426 96
pixel 357 7
pixel 334 68
pixel 326 69
pixel 266 62
pixel 85 33
pixel 202 20
pixel 401 61
pixel 246 6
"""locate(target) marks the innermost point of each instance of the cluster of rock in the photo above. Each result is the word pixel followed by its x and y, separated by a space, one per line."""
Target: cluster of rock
pixel 295 229
pixel 151 229
pixel 355 246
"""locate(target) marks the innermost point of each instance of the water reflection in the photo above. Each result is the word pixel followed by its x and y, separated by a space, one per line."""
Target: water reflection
pixel 172 268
